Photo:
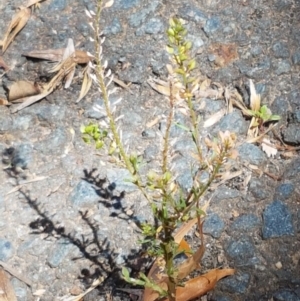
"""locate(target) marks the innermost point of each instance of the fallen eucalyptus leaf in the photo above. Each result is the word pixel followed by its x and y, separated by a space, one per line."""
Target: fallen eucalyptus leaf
pixel 214 118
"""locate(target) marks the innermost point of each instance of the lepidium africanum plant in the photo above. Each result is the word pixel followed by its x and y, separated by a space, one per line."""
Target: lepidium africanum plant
pixel 174 210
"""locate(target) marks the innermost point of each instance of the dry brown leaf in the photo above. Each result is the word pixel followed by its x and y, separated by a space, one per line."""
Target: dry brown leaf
pixel 199 286
pixel 3 64
pixel 6 290
pixel 86 84
pixel 214 118
pixel 27 101
pixel 18 21
pixel 56 55
pixel 22 89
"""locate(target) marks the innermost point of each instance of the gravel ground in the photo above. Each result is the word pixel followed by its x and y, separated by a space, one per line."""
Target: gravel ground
pixel 76 220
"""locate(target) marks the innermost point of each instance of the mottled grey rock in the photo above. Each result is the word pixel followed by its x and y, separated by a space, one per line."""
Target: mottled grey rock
pixel 120 180
pixel 57 5
pixel 49 112
pixel 284 191
pixel 59 253
pixel 84 193
pixel 282 67
pixel 277 221
pixel 225 193
pixel 140 16
pixel 55 142
pixel 125 4
pixel 6 122
pixel 292 170
pixel 192 13
pixel 296 57
pixel 137 72
pixel 6 249
pixel 242 251
pixel 151 152
pixel 213 225
pixel 113 28
pixel 22 156
pixel 294 97
pixel 256 50
pixel 233 122
pixel 245 223
pixel 285 295
pixel 221 297
pixel 259 189
pixel 281 50
pixel 153 26
pixel 22 122
pixel 251 153
pixel 298 221
pixel 20 289
pixel 236 284
pixel 291 134
pixel 212 25
pixel 279 106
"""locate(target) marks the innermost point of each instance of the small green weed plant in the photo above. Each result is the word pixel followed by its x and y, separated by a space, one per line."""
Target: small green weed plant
pixel 172 208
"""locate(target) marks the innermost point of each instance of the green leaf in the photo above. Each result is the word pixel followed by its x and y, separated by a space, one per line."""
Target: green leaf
pixel 125 273
pixel 275 117
pixel 99 144
pixel 181 126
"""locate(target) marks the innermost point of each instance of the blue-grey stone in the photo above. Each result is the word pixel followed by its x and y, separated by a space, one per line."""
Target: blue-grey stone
pixel 6 249
pixel 59 253
pixel 22 122
pixel 113 28
pixel 236 284
pixel 213 225
pixel 22 156
pixel 212 25
pixel 149 133
pixel 281 50
pixel 55 142
pixel 84 193
pixel 291 134
pixel 242 251
pixel 233 122
pixel 298 221
pixel 256 50
pixel 20 289
pixel 251 153
pixel 221 297
pixel 283 67
pixel 277 220
pixel 57 5
pixel 50 112
pixel 258 189
pixel 139 17
pixel 6 121
pixel 225 193
pixel 151 152
pixel 191 13
pixel 153 26
pixel 296 57
pixel 125 4
pixel 284 191
pixel 285 295
pixel 279 106
pixel 119 180
pixel 246 222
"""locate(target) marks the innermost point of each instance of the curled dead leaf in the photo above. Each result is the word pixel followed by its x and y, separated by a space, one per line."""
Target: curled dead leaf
pixel 22 89
pixel 4 102
pixel 18 21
